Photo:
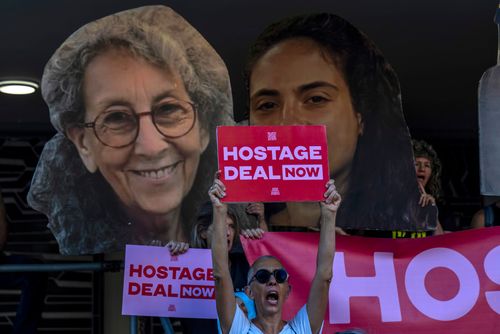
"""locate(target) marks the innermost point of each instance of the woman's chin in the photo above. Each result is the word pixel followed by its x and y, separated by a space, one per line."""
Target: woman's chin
pixel 151 208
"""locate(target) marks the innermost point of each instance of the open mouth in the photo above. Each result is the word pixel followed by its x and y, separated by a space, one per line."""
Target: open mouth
pixel 157 174
pixel 272 297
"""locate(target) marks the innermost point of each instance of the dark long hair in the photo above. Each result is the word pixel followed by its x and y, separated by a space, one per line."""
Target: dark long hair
pixel 383 191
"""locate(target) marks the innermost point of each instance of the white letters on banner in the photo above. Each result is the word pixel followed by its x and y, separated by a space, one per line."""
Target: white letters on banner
pixel 383 285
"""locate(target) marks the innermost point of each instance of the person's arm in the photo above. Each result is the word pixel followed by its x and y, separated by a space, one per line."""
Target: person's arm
pixel 318 296
pixel 3 225
pixel 256 209
pixel 224 291
pixel 478 219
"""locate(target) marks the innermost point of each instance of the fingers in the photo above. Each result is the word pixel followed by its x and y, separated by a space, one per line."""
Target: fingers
pixel 432 200
pixel 253 233
pixel 421 200
pixel 184 248
pixel 177 247
pixel 330 190
pixel 426 199
pixel 340 231
pixel 251 208
pixel 217 191
pixel 421 187
pixel 256 208
pixel 157 243
pixel 331 195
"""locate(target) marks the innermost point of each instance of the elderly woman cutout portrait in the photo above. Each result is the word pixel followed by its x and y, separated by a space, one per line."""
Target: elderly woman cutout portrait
pixel 135 97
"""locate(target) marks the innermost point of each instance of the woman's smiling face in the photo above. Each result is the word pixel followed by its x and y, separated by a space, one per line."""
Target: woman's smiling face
pixel 153 174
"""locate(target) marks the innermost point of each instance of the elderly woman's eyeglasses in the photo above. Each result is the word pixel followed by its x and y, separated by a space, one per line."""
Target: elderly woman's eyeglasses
pixel 120 127
pixel 263 276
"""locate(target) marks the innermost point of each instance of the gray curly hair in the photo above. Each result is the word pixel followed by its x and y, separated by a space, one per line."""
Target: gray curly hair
pixel 164 39
pixel 154 33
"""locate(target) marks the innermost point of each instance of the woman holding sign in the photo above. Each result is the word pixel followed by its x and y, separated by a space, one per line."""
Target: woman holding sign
pixel 135 97
pixel 319 69
pixel 267 279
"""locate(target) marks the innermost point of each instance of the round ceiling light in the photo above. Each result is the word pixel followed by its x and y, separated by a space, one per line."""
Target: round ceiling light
pixel 18 87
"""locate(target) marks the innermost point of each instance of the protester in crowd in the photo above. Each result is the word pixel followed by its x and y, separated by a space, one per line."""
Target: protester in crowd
pixel 135 98
pixel 201 237
pixel 267 279
pixel 428 169
pixel 487 216
pixel 319 69
pixel 33 285
pixel 428 172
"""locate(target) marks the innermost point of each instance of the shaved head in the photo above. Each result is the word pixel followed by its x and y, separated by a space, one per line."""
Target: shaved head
pixel 256 264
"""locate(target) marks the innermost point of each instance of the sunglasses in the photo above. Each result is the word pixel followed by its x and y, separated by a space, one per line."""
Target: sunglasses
pixel 263 276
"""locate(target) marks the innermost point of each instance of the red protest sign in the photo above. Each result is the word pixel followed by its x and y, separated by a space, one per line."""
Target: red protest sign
pixel 273 163
pixel 442 284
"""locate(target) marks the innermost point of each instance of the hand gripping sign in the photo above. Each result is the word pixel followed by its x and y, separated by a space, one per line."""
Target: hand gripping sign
pixel 273 163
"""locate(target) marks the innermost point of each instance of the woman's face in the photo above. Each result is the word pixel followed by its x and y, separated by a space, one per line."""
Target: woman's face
pixel 153 174
pixel 423 167
pixel 260 292
pixel 230 233
pixel 295 83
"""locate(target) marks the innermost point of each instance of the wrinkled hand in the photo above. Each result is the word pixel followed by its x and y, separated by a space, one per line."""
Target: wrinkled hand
pixel 253 233
pixel 216 192
pixel 177 247
pixel 256 209
pixel 332 199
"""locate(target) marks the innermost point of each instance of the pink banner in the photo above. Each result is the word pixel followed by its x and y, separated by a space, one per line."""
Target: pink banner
pixel 442 284
pixel 273 163
pixel 158 284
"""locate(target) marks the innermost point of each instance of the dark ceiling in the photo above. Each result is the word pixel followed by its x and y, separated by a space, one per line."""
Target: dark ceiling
pixel 439 48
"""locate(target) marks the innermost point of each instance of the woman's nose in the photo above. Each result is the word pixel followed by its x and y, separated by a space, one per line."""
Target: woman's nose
pixel 149 141
pixel 291 114
pixel 272 280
